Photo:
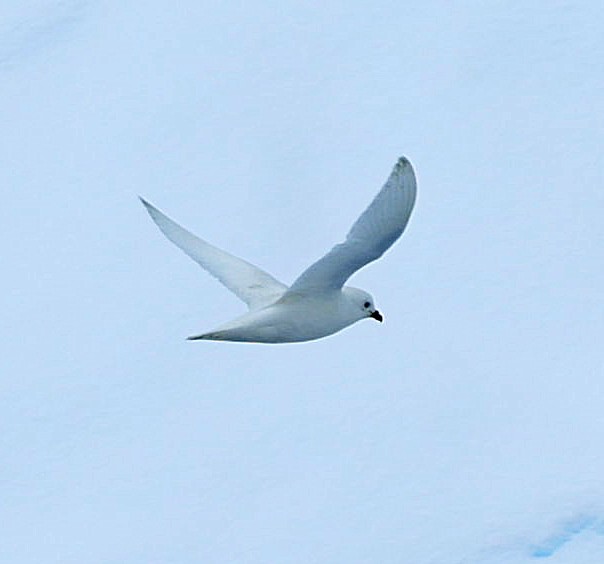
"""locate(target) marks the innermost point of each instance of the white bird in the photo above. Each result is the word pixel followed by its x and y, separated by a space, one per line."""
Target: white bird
pixel 317 304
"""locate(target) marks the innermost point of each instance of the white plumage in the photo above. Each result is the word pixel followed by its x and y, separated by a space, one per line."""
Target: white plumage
pixel 317 304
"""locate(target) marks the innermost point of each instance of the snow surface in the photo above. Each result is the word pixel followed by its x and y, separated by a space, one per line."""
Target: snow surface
pixel 467 429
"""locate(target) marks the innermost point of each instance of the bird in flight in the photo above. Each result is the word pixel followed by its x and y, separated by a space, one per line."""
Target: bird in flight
pixel 317 304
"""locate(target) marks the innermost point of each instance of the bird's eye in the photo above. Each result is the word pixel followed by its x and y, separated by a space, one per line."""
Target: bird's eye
pixel 366 304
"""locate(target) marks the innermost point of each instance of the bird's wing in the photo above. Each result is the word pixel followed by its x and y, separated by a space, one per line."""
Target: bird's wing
pixel 249 283
pixel 378 227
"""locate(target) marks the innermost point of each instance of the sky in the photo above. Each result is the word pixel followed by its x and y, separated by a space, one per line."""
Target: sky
pixel 465 429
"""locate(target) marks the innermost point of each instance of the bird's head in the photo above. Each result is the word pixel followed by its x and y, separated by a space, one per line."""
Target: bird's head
pixel 362 302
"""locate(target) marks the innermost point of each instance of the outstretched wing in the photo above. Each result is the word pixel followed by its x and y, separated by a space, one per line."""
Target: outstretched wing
pixel 249 283
pixel 378 227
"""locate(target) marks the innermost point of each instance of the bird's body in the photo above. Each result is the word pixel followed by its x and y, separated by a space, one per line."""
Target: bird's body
pixel 317 304
pixel 293 318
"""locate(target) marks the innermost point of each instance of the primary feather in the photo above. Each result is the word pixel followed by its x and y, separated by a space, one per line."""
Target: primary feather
pixel 378 227
pixel 248 282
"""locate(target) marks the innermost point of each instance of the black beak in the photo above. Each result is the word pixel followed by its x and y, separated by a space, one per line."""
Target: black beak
pixel 377 315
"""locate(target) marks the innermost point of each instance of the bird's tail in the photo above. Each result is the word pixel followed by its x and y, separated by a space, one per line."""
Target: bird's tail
pixel 212 336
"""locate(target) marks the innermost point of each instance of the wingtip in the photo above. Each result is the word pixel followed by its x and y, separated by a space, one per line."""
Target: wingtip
pixel 403 168
pixel 402 162
pixel 151 209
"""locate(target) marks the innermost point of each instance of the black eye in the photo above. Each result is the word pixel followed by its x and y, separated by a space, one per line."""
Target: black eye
pixel 366 304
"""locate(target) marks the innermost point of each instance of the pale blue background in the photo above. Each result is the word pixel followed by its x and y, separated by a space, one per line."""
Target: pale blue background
pixel 468 428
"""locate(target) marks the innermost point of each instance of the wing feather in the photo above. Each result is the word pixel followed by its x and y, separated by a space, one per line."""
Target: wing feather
pixel 373 233
pixel 248 282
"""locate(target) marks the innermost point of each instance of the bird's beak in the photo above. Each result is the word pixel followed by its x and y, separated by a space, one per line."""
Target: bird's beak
pixel 377 315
